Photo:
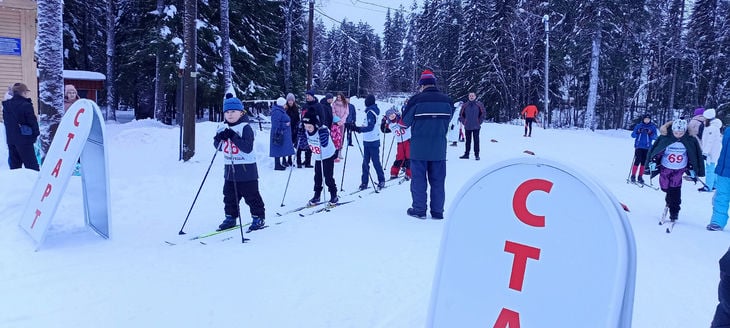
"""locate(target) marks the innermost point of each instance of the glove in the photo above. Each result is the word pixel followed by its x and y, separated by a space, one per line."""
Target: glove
pixel 704 157
pixel 355 128
pixel 693 175
pixel 652 166
pixel 227 134
pixel 451 127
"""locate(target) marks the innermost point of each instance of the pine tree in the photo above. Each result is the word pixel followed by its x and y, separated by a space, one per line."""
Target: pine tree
pixel 50 69
pixel 701 37
pixel 475 51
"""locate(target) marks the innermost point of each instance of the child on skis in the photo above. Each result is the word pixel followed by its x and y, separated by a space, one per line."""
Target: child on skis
pixel 235 138
pixel 392 122
pixel 645 132
pixel 323 151
pixel 371 144
pixel 673 155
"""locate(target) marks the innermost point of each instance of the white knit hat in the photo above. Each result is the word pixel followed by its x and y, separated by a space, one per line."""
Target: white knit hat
pixel 709 114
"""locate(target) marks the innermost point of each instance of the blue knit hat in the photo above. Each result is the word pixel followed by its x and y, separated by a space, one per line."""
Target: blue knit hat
pixel 427 78
pixel 232 104
pixel 310 92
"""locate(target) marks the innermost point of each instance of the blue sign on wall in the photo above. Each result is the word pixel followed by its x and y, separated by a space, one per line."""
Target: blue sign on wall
pixel 9 46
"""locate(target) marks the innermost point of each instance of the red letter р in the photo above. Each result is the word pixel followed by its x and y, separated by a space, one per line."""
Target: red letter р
pixel 68 141
pixel 507 318
pixel 519 201
pixel 519 263
pixel 76 118
pixel 47 192
pixel 37 214
pixel 57 168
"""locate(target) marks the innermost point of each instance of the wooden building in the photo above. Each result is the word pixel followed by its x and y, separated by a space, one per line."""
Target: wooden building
pixel 18 31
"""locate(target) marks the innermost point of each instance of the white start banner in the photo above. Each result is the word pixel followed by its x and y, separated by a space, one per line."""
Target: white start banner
pixel 79 137
pixel 533 243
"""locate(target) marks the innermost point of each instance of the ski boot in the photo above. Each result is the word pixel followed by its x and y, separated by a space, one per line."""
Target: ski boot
pixel 228 223
pixel 257 223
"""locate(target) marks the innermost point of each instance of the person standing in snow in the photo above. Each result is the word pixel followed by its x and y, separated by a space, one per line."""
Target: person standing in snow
pixel 371 144
pixel 340 112
pixel 292 110
pixel 70 95
pixel 721 200
pixel 673 155
pixel 324 112
pixel 472 115
pixel 530 115
pixel 323 150
pixel 428 114
pixel 645 132
pixel 21 129
pixel 280 146
pixel 350 120
pixel 711 147
pixel 454 127
pixel 235 138
pixel 696 124
pixel 392 122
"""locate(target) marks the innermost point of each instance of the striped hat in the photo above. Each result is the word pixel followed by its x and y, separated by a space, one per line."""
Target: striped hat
pixel 427 78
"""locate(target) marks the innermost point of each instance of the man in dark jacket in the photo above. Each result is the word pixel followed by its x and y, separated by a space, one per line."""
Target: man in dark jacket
pixel 428 114
pixel 350 121
pixel 21 128
pixel 472 114
pixel 325 111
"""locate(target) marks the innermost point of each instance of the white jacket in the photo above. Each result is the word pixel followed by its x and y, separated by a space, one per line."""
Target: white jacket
pixel 453 134
pixel 712 141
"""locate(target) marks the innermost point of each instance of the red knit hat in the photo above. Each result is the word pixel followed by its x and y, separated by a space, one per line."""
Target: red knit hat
pixel 427 78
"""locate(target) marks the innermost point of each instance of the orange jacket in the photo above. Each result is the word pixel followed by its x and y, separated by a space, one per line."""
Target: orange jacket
pixel 530 111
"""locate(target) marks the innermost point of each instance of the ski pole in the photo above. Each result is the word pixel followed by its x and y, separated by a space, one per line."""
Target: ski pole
pixel 235 190
pixel 387 159
pixel 363 155
pixel 382 156
pixel 631 168
pixel 291 169
pixel 344 166
pixel 199 188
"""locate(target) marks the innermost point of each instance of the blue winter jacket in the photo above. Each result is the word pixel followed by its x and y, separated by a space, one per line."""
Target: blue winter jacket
pixel 428 113
pixel 351 116
pixel 723 164
pixel 644 134
pixel 279 119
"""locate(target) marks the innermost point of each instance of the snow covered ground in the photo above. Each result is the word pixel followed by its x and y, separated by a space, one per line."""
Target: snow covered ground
pixel 364 264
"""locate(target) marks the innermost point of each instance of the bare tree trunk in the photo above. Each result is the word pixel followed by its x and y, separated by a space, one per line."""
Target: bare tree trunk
pixel 50 69
pixel 590 120
pixel 111 99
pixel 287 47
pixel 189 78
pixel 160 83
pixel 226 47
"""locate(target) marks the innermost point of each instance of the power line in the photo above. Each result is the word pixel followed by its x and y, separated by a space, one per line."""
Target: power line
pixel 381 6
pixel 353 5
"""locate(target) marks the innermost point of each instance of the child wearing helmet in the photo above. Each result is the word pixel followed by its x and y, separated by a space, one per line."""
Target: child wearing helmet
pixel 673 154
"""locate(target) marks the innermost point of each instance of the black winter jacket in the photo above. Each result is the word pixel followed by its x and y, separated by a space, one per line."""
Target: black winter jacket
pixel 16 111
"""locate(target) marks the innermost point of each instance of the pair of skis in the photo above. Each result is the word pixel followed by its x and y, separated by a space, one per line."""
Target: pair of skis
pixel 642 184
pixel 211 234
pixel 664 221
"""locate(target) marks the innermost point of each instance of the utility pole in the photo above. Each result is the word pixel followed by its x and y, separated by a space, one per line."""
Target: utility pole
pixel 546 20
pixel 190 53
pixel 310 46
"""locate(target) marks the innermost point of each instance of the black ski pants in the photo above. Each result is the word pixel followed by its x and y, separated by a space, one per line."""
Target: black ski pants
pixel 472 134
pixel 233 191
